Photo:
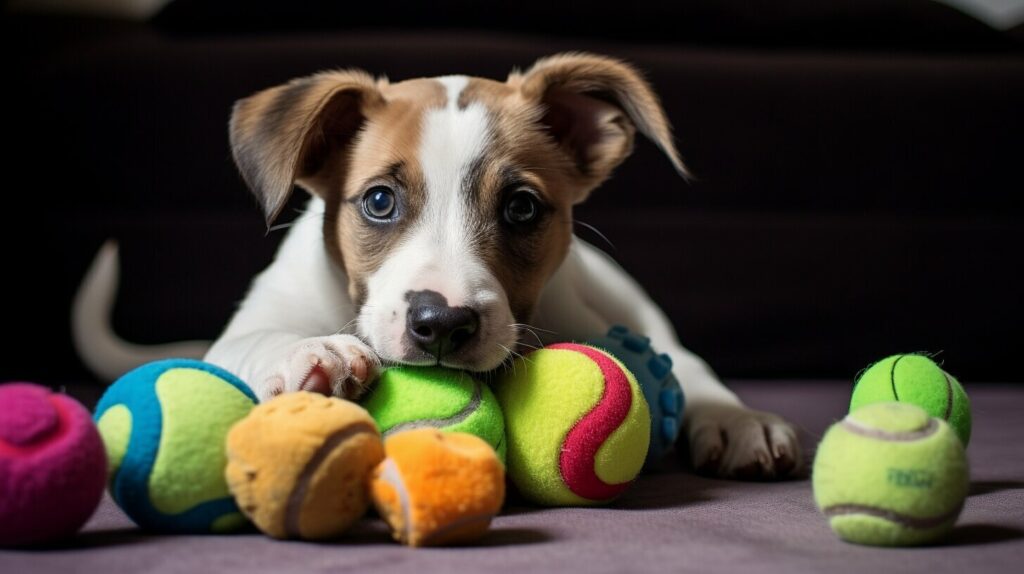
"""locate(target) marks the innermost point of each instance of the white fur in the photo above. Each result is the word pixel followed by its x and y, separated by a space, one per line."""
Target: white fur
pixel 437 252
pixel 301 295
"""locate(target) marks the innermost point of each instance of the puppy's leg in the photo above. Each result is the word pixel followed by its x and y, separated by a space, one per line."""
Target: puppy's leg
pixel 286 334
pixel 590 292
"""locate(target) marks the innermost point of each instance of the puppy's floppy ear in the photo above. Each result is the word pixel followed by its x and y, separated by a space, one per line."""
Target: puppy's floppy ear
pixel 593 105
pixel 283 135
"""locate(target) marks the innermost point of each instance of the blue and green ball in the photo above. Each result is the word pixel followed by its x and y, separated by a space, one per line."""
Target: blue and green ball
pixel 164 426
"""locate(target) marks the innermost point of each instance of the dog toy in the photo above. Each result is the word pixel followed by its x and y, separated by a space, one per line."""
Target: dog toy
pixel 164 425
pixel 890 475
pixel 916 379
pixel 437 487
pixel 52 465
pixel 298 465
pixel 407 398
pixel 577 425
pixel 661 389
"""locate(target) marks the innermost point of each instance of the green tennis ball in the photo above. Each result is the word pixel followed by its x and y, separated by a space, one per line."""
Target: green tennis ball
pixel 917 380
pixel 406 398
pixel 578 425
pixel 890 475
pixel 163 426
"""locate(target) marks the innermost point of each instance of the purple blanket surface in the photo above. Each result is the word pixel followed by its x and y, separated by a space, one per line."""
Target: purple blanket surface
pixel 670 521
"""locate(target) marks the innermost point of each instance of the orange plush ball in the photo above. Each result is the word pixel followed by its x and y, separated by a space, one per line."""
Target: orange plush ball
pixel 438 487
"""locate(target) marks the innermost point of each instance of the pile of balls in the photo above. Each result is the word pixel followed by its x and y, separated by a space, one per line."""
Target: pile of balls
pixel 184 447
pixel 894 471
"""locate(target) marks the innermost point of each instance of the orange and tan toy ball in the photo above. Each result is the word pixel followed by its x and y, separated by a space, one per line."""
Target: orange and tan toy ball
pixel 299 465
pixel 438 487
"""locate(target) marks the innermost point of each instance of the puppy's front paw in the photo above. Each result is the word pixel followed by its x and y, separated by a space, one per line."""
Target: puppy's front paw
pixel 338 365
pixel 732 441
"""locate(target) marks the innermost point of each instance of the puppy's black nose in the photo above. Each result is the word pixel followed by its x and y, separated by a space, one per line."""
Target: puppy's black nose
pixel 437 328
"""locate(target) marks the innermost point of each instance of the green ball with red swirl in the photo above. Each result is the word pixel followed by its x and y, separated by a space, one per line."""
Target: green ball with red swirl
pixel 576 423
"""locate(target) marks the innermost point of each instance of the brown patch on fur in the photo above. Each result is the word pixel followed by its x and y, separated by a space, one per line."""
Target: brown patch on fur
pixel 336 134
pixel 593 103
pixel 285 135
pixel 386 152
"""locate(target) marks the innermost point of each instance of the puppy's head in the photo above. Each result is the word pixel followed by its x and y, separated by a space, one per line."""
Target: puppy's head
pixel 448 200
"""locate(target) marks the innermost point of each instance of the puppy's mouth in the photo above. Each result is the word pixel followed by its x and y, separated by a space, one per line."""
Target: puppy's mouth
pixel 419 359
pixel 482 356
pixel 475 357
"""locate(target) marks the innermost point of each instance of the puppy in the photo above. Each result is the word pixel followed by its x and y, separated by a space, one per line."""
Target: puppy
pixel 439 231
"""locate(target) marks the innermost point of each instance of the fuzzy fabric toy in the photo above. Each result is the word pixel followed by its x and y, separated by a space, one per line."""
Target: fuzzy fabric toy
pixel 298 465
pixel 164 425
pixel 52 465
pixel 408 398
pixel 918 380
pixel 438 487
pixel 890 475
pixel 577 424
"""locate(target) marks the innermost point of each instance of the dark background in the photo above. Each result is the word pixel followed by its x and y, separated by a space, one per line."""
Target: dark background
pixel 858 167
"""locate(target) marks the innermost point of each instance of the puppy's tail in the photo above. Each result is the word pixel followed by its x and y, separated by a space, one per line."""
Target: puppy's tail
pixel 106 354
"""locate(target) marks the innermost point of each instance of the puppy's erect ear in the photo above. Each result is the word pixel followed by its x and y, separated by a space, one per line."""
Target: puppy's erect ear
pixel 593 105
pixel 283 135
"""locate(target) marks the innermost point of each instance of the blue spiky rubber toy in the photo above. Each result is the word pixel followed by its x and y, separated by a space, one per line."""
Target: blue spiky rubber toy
pixel 653 372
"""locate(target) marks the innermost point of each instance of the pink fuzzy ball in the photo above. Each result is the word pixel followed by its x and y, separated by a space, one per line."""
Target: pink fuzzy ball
pixel 53 466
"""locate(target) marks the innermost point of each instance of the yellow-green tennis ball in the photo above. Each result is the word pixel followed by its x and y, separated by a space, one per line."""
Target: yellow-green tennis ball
pixel 917 380
pixel 163 425
pixel 890 475
pixel 577 423
pixel 406 398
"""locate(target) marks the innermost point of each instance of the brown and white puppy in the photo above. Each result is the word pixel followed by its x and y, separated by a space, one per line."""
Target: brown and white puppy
pixel 440 232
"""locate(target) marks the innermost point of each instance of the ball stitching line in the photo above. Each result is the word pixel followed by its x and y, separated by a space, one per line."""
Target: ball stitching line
pixel 903 436
pixel 905 520
pixel 293 510
pixel 466 411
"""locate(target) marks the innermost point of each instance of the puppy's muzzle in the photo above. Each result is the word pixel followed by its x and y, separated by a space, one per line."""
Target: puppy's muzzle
pixel 436 328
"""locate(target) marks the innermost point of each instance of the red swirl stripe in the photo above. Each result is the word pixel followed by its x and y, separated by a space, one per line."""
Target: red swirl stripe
pixel 576 462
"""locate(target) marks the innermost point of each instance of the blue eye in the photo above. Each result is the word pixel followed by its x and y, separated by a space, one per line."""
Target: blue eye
pixel 379 202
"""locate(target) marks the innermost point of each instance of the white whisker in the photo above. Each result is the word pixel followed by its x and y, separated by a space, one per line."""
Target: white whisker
pixel 599 234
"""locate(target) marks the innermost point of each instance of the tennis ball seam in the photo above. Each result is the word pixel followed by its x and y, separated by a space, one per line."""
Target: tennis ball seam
pixel 900 436
pixel 945 376
pixel 892 376
pixel 905 520
pixel 949 396
pixel 293 509
pixel 467 411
